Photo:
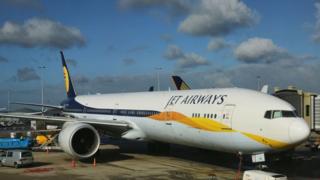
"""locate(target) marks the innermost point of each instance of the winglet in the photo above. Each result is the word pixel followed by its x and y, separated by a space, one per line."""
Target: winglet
pixel 67 79
pixel 180 84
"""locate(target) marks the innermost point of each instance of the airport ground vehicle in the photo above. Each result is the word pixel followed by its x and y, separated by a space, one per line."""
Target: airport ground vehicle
pixel 15 143
pixel 16 158
pixel 262 175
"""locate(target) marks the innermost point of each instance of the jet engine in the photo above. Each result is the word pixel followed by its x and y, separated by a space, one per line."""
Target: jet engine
pixel 79 140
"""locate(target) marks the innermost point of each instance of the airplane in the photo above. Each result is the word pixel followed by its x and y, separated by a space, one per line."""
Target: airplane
pixel 233 120
pixel 182 85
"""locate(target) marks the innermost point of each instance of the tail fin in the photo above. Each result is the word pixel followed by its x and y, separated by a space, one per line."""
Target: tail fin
pixel 67 79
pixel 180 84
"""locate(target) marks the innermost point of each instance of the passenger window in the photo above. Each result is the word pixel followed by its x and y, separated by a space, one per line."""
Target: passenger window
pixel 211 116
pixel 277 114
pixel 215 116
pixel 267 115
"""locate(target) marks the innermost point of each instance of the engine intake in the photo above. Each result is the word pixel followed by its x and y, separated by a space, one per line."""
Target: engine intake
pixel 78 139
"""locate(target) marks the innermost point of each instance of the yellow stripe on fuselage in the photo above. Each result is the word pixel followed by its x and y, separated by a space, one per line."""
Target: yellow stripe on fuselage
pixel 212 125
pixel 267 141
pixel 198 123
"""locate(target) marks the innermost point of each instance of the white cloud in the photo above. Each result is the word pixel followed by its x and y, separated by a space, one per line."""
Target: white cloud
pixel 184 60
pixel 217 44
pixel 173 52
pixel 256 50
pixel 192 60
pixel 27 74
pixel 216 17
pixel 204 17
pixel 175 7
pixel 37 32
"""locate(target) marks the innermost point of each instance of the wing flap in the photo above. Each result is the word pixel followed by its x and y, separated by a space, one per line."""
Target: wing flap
pixel 38 105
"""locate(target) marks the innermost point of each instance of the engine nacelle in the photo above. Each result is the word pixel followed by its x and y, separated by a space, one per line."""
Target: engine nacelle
pixel 78 139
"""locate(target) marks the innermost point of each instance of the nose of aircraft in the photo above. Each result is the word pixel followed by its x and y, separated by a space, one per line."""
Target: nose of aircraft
pixel 298 131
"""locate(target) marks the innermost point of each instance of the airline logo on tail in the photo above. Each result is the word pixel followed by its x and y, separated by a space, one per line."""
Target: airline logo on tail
pixel 180 84
pixel 66 78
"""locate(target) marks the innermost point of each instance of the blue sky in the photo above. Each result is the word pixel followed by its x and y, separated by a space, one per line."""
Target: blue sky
pixel 115 46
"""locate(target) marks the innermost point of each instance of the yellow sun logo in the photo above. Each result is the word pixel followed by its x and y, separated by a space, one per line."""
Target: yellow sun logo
pixel 66 78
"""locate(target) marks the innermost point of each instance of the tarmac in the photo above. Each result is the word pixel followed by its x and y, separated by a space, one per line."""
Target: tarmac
pixel 127 160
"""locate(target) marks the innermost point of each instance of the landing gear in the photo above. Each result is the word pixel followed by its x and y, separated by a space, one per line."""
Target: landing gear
pixel 239 166
pixel 16 165
pixel 158 148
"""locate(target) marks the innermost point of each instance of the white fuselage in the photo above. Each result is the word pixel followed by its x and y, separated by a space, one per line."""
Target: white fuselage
pixel 231 119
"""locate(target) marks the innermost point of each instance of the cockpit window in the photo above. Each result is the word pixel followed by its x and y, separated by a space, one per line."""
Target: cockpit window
pixel 288 114
pixel 267 115
pixel 279 113
pixel 276 114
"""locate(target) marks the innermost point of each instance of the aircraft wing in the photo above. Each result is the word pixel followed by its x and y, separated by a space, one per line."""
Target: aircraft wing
pixel 38 105
pixel 113 128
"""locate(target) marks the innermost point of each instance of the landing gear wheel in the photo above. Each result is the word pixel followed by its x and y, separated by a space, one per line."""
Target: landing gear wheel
pixel 16 165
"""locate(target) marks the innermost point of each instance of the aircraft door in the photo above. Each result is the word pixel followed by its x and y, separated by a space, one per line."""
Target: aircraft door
pixel 169 123
pixel 227 115
pixel 115 112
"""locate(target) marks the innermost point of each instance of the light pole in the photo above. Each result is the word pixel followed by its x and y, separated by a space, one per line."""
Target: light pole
pixel 8 100
pixel 259 79
pixel 42 68
pixel 158 69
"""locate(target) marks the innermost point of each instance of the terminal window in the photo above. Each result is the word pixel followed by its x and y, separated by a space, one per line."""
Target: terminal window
pixel 307 110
